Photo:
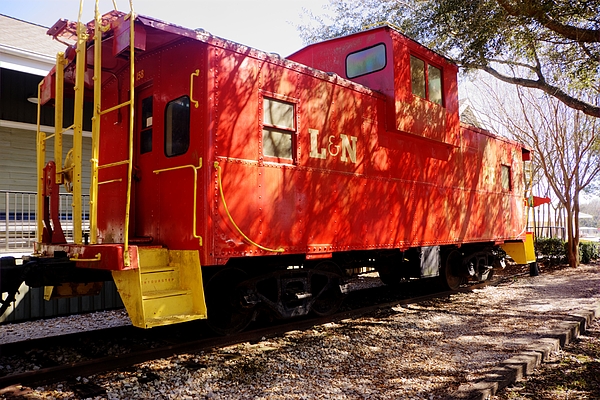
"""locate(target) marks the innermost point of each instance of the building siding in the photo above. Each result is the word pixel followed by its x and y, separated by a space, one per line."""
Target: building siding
pixel 18 159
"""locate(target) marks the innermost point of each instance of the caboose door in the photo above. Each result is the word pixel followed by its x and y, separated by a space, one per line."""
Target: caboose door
pixel 144 203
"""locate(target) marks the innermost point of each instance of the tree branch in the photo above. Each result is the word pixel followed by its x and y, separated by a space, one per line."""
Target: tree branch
pixel 542 85
pixel 588 52
pixel 531 10
pixel 512 63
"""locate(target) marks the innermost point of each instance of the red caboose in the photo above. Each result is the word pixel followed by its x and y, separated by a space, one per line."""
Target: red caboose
pixel 275 175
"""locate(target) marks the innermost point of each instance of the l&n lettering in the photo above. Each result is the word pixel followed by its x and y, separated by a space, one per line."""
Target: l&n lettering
pixel 348 147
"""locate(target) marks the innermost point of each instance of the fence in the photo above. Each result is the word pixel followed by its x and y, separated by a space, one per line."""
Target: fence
pixel 549 221
pixel 549 232
pixel 18 226
pixel 18 229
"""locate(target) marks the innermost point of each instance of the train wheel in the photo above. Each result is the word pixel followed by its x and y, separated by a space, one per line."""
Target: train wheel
pixel 326 288
pixel 390 275
pixel 227 311
pixel 451 263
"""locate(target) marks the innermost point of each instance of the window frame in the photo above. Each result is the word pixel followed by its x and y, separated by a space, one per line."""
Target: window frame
pixel 292 131
pixel 385 61
pixel 426 66
pixel 166 127
pixel 146 131
pixel 441 102
pixel 509 188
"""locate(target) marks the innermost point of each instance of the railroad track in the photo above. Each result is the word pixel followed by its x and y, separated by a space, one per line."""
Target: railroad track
pixel 166 348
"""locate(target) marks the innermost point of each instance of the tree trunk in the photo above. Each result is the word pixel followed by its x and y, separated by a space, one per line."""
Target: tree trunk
pixel 576 227
pixel 572 237
pixel 569 228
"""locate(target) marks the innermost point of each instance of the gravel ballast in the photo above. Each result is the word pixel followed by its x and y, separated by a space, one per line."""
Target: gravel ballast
pixel 438 349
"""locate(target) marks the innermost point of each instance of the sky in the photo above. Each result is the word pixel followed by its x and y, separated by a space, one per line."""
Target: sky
pixel 263 24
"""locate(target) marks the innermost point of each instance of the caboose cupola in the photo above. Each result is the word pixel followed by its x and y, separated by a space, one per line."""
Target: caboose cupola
pixel 420 85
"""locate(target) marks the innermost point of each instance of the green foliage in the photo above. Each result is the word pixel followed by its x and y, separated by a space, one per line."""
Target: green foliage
pixel 588 251
pixel 343 17
pixel 553 251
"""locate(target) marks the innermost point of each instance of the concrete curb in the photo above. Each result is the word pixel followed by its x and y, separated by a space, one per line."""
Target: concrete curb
pixel 517 367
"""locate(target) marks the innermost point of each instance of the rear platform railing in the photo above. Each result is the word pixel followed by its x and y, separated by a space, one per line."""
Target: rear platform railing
pixel 18 222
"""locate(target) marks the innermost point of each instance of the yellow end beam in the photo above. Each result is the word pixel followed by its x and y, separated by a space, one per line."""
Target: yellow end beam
pixel 521 252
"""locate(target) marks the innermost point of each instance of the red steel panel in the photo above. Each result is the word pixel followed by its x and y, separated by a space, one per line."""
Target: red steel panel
pixel 371 166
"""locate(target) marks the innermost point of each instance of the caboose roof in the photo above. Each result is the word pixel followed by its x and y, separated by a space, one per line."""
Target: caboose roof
pixel 167 32
pixel 64 30
pixel 155 34
pixel 387 28
pixel 161 34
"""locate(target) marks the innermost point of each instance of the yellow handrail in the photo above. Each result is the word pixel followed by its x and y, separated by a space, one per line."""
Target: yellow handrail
pixel 123 104
pixel 80 65
pixel 116 163
pixel 97 78
pixel 218 168
pixel 126 260
pixel 60 133
pixel 41 159
pixel 195 73
pixel 58 115
pixel 76 258
pixel 111 181
pixel 194 214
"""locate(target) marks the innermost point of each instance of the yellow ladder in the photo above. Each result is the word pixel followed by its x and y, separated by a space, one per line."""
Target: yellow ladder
pixel 98 112
pixel 164 290
pixel 75 167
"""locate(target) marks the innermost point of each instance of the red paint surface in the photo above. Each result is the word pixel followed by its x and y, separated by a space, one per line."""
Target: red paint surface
pixel 419 178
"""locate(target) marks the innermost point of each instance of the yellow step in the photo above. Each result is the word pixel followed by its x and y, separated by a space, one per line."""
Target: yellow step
pixel 159 294
pixel 152 257
pixel 144 269
pixel 165 279
pixel 166 288
pixel 172 319
pixel 168 303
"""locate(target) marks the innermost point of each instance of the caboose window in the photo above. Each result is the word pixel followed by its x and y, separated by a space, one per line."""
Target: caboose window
pixel 177 126
pixel 277 144
pixel 366 61
pixel 506 180
pixel 426 80
pixel 417 76
pixel 279 126
pixel 146 131
pixel 278 114
pixel 434 76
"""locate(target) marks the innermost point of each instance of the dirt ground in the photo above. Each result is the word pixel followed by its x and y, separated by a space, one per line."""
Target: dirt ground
pixel 573 373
